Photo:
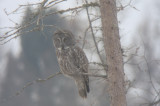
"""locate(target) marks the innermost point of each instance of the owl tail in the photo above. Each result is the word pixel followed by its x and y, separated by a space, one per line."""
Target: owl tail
pixel 82 88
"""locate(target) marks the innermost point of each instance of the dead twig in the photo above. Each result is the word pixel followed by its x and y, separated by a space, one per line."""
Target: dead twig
pixel 29 84
pixel 93 36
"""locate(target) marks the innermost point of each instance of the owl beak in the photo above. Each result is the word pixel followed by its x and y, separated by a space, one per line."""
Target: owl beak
pixel 61 47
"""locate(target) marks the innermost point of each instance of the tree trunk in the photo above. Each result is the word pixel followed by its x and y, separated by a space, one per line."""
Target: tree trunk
pixel 116 87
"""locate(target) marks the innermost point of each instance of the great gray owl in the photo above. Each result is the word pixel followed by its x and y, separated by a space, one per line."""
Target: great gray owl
pixel 72 60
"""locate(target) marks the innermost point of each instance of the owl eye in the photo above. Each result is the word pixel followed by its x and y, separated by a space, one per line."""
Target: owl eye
pixel 58 40
pixel 65 40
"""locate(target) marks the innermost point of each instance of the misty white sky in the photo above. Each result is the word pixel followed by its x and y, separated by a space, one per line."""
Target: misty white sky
pixel 9 6
pixel 129 18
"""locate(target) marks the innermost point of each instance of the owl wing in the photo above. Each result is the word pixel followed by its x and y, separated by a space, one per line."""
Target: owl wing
pixel 80 61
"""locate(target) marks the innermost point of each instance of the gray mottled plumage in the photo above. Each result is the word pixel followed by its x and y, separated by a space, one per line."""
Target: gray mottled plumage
pixel 72 60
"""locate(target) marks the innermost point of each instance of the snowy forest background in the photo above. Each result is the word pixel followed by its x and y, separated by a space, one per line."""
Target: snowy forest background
pixel 34 57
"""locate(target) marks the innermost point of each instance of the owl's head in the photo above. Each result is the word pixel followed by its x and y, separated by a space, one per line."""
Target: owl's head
pixel 63 39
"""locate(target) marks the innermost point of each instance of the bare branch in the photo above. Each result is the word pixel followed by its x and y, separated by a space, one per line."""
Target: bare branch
pixel 100 64
pixel 44 80
pixel 29 84
pixel 18 8
pixel 95 75
pixel 41 11
pixel 17 30
pixel 53 3
pixel 127 5
pixel 94 39
pixel 75 8
pixel 51 76
pixel 85 34
pixel 149 73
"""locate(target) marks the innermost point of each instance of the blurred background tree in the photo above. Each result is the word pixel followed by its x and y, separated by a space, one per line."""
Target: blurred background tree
pixel 37 59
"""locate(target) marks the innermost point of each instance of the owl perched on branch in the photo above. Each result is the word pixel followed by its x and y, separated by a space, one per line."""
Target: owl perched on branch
pixel 72 60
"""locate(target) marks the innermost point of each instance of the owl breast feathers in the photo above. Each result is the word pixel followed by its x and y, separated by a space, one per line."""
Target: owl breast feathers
pixel 72 60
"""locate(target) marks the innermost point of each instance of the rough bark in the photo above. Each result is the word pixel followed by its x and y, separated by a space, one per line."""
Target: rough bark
pixel 113 51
